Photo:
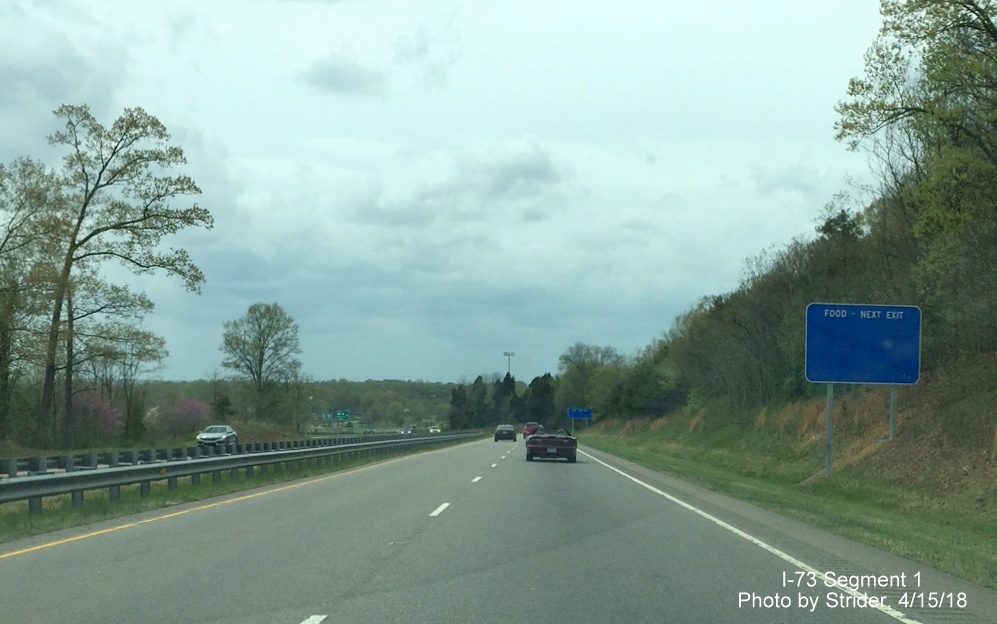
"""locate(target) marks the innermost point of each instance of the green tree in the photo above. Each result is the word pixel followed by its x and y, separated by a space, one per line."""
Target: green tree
pixel 586 373
pixel 926 100
pixel 537 402
pixel 477 408
pixel 30 198
pixel 503 394
pixel 458 416
pixel 261 346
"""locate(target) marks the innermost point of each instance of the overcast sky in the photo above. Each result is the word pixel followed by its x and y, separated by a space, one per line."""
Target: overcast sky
pixel 426 184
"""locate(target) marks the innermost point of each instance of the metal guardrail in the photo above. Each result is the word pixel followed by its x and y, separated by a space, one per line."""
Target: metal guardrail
pixel 25 466
pixel 74 482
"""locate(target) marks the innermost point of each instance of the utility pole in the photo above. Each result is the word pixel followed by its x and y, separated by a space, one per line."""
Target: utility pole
pixel 508 355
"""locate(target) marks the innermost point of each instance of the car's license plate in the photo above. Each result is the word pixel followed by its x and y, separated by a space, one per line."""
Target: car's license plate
pixel 551 449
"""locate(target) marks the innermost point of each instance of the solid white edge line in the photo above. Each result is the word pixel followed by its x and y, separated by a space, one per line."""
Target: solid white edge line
pixel 315 619
pixel 439 510
pixel 475 479
pixel 890 611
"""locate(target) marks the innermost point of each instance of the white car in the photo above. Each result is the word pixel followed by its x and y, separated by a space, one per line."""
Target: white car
pixel 434 430
pixel 217 434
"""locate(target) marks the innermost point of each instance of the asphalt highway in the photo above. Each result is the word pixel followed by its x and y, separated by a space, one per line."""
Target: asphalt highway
pixel 467 534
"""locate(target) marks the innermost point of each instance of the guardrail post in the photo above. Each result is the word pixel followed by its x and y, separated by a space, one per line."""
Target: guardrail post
pixel 112 460
pixel 76 496
pixel 34 506
pixel 38 465
pixel 234 473
pixel 249 471
pixel 10 467
pixel 91 461
pixel 144 488
pixel 195 479
pixel 114 493
pixel 216 476
pixel 171 483
pixel 263 469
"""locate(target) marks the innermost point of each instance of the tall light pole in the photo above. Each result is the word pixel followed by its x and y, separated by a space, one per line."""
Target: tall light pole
pixel 509 354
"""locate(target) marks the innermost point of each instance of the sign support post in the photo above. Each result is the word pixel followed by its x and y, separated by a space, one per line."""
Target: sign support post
pixel 828 426
pixel 893 412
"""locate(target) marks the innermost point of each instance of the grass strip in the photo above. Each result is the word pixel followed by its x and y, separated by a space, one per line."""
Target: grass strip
pixel 887 515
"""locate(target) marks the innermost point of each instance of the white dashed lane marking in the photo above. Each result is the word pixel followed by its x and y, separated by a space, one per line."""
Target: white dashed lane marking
pixel 475 479
pixel 439 509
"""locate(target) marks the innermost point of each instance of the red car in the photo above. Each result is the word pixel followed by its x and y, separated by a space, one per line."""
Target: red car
pixel 530 428
pixel 552 446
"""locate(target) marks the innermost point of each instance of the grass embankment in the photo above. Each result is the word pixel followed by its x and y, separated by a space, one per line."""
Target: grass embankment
pixel 927 496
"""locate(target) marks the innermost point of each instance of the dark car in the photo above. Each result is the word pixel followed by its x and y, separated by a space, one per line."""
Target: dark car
pixel 217 434
pixel 530 428
pixel 505 432
pixel 560 444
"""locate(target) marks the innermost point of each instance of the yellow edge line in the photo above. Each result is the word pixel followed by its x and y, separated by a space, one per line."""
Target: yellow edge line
pixel 175 514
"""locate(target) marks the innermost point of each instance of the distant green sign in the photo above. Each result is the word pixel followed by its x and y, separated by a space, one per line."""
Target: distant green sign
pixel 342 416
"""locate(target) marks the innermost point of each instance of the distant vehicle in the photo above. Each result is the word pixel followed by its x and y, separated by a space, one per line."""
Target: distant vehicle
pixel 505 432
pixel 530 428
pixel 434 430
pixel 552 446
pixel 407 430
pixel 217 434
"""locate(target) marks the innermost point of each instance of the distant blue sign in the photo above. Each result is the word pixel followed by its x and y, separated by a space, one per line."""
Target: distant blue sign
pixel 871 344
pixel 579 414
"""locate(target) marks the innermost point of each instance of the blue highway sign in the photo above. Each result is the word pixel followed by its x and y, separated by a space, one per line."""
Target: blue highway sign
pixel 579 414
pixel 872 344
